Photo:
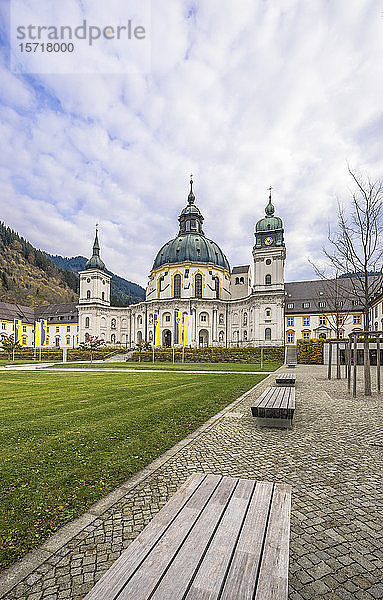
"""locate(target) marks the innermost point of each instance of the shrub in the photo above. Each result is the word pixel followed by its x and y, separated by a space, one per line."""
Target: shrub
pixel 214 355
pixel 310 352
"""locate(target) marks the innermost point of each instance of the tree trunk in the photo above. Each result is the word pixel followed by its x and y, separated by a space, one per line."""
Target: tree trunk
pixel 329 360
pixel 337 361
pixel 367 369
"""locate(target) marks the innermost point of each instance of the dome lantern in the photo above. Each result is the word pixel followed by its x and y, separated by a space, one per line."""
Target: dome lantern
pixel 191 245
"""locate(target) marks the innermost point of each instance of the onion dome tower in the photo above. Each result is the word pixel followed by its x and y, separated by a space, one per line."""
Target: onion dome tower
pixel 269 251
pixel 94 280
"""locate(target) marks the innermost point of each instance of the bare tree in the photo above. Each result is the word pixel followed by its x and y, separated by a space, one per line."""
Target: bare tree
pixel 355 250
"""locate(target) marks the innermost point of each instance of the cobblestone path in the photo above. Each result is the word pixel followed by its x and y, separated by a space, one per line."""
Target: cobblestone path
pixel 332 457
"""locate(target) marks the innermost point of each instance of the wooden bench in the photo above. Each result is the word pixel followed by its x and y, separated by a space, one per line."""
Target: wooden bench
pixel 285 378
pixel 275 407
pixel 217 538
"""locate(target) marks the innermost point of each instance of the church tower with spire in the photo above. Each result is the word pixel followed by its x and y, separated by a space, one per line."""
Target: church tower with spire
pixel 94 280
pixel 269 252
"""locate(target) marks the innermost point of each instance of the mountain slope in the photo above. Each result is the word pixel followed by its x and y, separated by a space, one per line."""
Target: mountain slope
pixel 29 277
pixel 123 292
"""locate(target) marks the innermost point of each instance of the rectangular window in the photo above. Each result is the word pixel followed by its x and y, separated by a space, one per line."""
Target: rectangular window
pixel 203 317
pixel 357 320
pixel 57 329
pixel 340 319
pixel 290 305
pixel 322 320
pixel 24 329
pixel 376 311
pixel 306 335
pixel 68 328
pixel 306 321
pixel 322 304
pixel 355 302
pixel 290 337
pixel 3 326
pixel 305 304
pixel 290 321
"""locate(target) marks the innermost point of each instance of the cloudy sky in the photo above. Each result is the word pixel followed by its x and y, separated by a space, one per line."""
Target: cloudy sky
pixel 243 94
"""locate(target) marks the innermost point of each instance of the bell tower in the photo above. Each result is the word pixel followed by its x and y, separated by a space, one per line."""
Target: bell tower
pixel 94 280
pixel 269 252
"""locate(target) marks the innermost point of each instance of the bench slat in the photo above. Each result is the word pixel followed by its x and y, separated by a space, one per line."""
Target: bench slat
pixel 110 584
pixel 177 578
pixel 143 581
pixel 242 576
pixel 209 578
pixel 273 576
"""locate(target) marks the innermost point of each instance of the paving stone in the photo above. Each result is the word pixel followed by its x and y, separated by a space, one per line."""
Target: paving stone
pixel 327 458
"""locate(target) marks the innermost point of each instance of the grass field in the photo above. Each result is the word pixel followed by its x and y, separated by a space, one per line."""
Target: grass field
pixel 67 439
pixel 178 366
pixel 17 361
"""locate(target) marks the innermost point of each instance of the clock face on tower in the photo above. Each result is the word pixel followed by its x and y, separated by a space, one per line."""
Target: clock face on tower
pixel 269 240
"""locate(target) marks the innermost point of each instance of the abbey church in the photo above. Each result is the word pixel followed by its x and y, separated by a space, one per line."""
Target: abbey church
pixel 191 278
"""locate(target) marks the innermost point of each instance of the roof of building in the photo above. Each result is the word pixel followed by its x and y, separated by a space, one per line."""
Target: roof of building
pixel 15 311
pixel 318 291
pixel 65 313
pixel 191 244
pixel 241 269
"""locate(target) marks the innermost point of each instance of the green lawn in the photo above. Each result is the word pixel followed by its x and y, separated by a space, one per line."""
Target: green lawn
pixel 67 439
pixel 17 361
pixel 178 366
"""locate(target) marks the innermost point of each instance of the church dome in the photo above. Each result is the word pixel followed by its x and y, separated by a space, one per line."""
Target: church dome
pixel 191 244
pixel 191 247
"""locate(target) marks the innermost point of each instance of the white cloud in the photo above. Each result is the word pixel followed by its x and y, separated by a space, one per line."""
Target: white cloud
pixel 282 94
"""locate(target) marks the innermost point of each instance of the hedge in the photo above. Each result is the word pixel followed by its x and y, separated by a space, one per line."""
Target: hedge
pixel 232 355
pixel 56 354
pixel 310 352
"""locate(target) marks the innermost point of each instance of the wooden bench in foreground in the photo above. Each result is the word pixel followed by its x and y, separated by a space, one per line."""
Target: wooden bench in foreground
pixel 275 407
pixel 217 538
pixel 285 378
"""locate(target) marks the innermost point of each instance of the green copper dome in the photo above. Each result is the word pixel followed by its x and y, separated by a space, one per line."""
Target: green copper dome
pixel 192 247
pixel 191 244
pixel 269 222
pixel 95 261
pixel 269 230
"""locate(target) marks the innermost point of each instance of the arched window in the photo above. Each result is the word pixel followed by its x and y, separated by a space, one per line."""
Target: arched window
pixel 24 340
pixel 236 280
pixel 245 318
pixel 221 337
pixel 123 323
pixel 103 295
pixel 267 313
pixel 86 321
pixel 88 295
pixel 57 342
pixel 160 282
pixel 67 340
pixel 267 333
pixel 268 280
pixel 150 336
pixel 241 280
pixel 245 335
pixel 198 285
pixel 113 324
pixel 220 320
pixel 177 286
pixel 216 279
pixel 113 338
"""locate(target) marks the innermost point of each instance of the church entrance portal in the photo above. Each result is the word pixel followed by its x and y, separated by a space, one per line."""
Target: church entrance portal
pixel 167 338
pixel 203 338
